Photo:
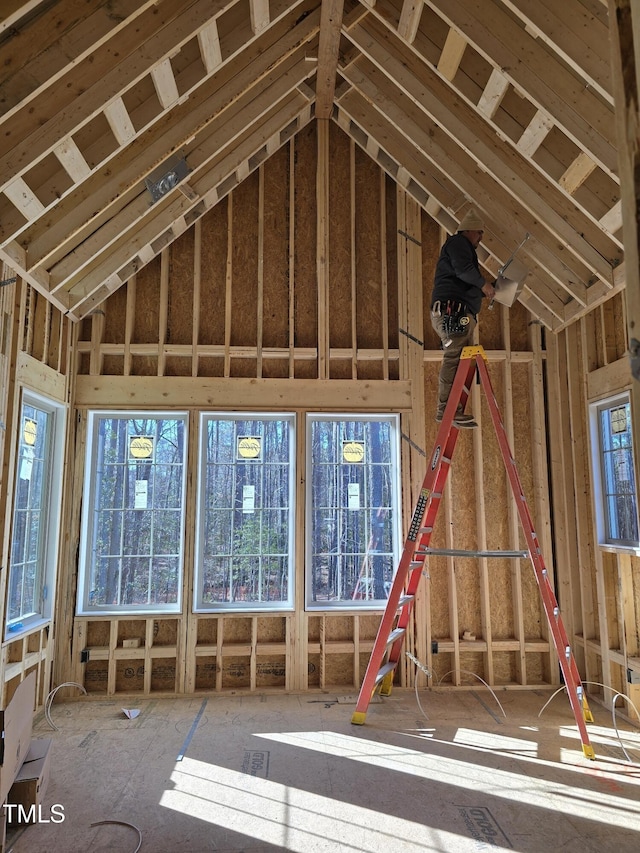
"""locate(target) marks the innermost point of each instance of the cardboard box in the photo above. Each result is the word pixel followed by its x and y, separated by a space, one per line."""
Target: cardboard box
pixel 32 778
pixel 16 722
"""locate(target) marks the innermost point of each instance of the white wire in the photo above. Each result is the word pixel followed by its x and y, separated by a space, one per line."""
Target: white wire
pixel 50 697
pixel 475 675
pixel 425 669
pixel 613 710
pixel 120 823
pixel 613 718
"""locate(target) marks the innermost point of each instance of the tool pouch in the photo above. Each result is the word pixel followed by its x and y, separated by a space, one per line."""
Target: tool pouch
pixel 454 319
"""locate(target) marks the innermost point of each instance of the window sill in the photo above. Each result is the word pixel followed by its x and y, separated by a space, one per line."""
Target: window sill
pixel 634 550
pixel 28 627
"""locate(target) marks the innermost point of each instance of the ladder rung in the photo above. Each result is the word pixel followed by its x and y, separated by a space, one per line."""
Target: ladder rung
pixel 405 600
pixel 454 552
pixel 385 670
pixel 416 564
pixel 393 636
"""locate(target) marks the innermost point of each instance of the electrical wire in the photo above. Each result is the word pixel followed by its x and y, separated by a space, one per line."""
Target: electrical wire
pixel 424 669
pixel 613 710
pixel 50 697
pixel 475 675
pixel 121 823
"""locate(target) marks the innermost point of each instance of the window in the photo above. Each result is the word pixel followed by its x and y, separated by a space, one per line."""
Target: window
pixel 36 508
pixel 245 512
pixel 133 527
pixel 352 510
pixel 615 475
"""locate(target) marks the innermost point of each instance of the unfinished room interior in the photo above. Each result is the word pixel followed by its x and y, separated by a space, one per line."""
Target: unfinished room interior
pixel 252 599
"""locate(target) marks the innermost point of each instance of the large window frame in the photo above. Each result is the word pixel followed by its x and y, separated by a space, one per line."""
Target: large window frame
pixel 36 512
pixel 352 565
pixel 615 481
pixel 246 495
pixel 140 459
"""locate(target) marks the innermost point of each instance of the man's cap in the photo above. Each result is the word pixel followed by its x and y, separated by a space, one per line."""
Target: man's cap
pixel 471 221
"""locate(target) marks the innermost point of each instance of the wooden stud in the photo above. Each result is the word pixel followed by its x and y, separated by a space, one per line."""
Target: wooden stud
pixel 163 311
pixel 384 277
pixel 353 258
pixel 228 288
pixel 292 266
pixel 260 281
pixel 322 252
pixel 330 24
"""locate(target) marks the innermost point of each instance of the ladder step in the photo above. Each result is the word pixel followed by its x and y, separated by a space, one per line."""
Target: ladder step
pixel 405 600
pixel 455 552
pixel 395 634
pixel 385 670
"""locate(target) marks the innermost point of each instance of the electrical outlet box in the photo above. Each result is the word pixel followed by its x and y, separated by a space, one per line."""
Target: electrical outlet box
pixel 633 677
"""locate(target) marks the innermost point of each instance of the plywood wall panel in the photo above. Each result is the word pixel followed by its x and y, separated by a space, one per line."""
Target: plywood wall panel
pixel 276 254
pixel 245 224
pixel 306 300
pixel 115 317
pixel 368 248
pixel 340 248
pixel 145 327
pixel 213 270
pixel 180 291
pixel 519 321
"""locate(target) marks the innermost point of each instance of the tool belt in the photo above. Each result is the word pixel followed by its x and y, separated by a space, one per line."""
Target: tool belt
pixel 455 319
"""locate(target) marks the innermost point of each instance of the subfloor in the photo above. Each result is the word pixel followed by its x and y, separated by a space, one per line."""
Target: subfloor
pixel 434 771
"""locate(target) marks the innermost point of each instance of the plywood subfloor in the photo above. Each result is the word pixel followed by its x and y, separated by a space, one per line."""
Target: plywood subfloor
pixel 436 772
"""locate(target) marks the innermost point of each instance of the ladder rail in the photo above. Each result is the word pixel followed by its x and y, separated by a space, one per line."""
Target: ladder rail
pixel 390 638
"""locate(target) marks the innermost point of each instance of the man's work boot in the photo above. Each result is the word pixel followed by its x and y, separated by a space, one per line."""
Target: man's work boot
pixel 463 421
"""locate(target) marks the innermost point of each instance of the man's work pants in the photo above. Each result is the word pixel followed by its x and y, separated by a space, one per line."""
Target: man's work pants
pixel 451 357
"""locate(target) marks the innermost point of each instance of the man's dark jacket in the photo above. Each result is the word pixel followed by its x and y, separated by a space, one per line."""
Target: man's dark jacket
pixel 458 275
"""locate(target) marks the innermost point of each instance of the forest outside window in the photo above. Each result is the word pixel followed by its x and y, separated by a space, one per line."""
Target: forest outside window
pixel 245 533
pixel 133 526
pixel 36 513
pixel 352 510
pixel 618 519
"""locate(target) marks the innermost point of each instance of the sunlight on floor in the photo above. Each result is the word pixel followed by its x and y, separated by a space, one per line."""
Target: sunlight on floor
pixel 290 817
pixel 516 786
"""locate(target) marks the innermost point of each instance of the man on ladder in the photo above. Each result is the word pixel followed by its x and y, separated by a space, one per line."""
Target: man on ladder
pixel 458 290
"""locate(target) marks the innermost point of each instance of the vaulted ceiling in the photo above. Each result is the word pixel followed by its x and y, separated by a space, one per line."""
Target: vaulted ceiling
pixel 503 104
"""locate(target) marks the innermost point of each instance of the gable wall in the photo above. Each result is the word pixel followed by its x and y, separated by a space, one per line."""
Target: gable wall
pixel 315 269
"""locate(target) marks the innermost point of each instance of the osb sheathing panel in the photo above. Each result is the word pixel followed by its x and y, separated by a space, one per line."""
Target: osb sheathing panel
pixel 145 323
pixel 244 261
pixel 207 632
pixel 519 322
pixel 338 627
pixel 271 629
pixel 340 216
pixel 213 266
pixel 237 629
pixel 180 292
pixel 306 292
pixel 368 249
pixel 276 252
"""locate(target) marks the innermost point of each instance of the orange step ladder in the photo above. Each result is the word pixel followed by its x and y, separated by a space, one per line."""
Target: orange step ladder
pixel 387 647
